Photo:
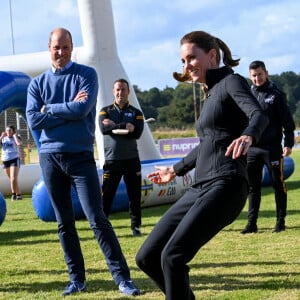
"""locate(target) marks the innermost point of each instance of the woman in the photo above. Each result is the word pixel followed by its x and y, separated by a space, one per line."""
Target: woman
pixel 230 122
pixel 10 142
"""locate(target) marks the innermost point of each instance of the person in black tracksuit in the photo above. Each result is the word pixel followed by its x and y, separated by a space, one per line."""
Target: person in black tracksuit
pixel 230 121
pixel 121 152
pixel 269 150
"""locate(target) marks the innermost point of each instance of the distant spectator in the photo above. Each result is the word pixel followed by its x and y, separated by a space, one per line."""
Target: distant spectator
pixel 10 142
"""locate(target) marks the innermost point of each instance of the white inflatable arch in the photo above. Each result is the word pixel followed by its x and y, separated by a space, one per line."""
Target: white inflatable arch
pixel 99 50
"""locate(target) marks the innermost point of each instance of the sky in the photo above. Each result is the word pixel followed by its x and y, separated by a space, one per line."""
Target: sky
pixel 148 32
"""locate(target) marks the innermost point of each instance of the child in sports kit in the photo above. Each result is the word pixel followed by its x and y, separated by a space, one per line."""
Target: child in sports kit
pixel 10 143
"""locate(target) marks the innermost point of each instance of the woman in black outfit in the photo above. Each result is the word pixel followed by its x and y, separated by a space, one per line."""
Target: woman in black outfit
pixel 230 122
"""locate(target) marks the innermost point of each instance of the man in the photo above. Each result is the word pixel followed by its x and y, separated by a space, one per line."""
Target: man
pixel 122 124
pixel 61 103
pixel 269 150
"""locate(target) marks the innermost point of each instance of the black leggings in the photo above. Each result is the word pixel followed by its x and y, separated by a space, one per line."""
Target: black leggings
pixel 188 225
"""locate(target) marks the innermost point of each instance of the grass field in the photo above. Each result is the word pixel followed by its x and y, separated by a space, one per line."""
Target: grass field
pixel 231 266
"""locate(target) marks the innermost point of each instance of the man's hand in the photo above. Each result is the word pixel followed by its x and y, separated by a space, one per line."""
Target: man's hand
pixel 130 127
pixel 287 151
pixel 108 122
pixel 81 96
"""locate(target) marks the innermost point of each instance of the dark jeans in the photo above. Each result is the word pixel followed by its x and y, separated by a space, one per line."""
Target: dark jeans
pixel 256 159
pixel 130 169
pixel 60 171
pixel 188 225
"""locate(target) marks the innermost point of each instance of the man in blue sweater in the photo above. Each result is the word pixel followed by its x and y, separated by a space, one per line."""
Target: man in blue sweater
pixel 61 103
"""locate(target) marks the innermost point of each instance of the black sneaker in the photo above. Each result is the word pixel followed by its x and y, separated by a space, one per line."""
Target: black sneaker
pixel 19 197
pixel 13 197
pixel 249 229
pixel 280 226
pixel 127 287
pixel 74 287
pixel 136 231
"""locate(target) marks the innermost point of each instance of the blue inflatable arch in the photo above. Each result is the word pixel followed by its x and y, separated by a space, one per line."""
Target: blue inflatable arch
pixel 2 208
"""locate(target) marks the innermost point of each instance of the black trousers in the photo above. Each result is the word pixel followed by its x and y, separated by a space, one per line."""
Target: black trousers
pixel 130 169
pixel 256 159
pixel 188 225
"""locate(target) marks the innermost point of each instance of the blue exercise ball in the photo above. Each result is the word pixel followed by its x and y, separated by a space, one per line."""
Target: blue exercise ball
pixel 2 208
pixel 288 170
pixel 43 207
pixel 121 200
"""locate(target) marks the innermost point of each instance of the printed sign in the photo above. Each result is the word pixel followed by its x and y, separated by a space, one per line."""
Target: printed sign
pixel 177 147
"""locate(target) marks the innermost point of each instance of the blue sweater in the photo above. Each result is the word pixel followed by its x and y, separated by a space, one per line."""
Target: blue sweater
pixel 67 126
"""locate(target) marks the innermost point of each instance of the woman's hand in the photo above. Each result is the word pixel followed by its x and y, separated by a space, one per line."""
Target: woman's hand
pixel 239 146
pixel 162 175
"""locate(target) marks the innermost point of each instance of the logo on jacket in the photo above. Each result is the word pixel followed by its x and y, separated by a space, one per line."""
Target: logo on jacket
pixel 270 100
pixel 128 114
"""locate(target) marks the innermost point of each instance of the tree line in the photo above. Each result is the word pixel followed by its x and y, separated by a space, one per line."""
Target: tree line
pixel 179 107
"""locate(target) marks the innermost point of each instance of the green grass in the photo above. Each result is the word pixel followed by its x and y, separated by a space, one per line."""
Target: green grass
pixel 172 133
pixel 231 266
